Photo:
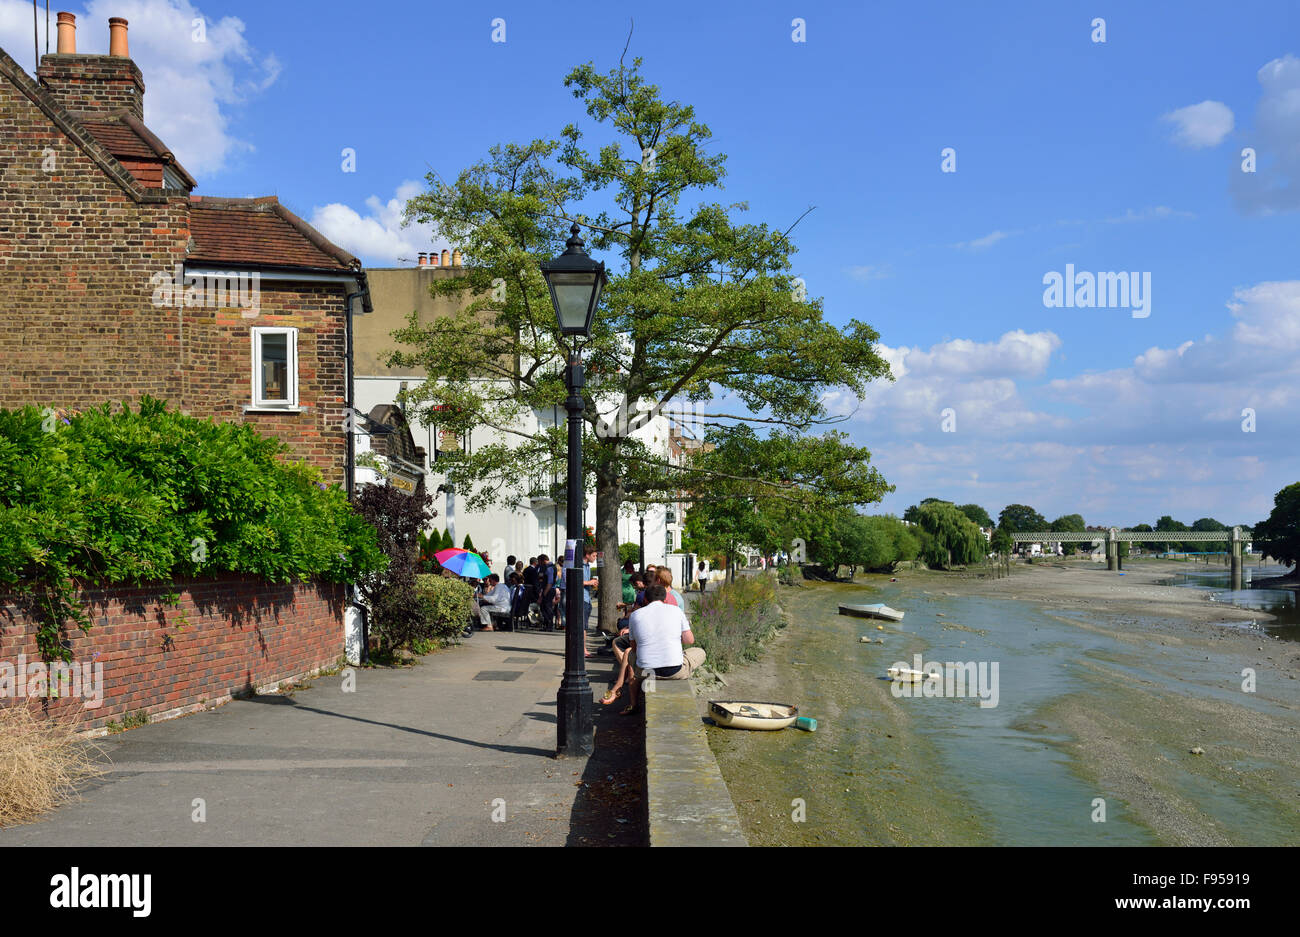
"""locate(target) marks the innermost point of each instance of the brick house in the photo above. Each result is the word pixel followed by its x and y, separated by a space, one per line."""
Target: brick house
pixel 120 282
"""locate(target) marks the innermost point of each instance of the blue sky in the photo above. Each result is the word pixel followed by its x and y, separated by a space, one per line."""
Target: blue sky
pixel 1115 156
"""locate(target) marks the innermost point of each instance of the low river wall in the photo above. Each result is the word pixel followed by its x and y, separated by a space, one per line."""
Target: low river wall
pixel 688 802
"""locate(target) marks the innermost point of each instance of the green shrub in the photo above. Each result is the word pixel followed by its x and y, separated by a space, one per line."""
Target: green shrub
pixel 732 623
pixel 449 604
pixel 629 551
pixel 104 498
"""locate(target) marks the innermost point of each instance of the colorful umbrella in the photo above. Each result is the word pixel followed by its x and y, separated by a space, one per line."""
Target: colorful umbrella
pixel 462 562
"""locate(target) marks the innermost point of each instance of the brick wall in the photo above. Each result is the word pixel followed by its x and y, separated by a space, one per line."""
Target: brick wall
pixel 94 84
pixel 217 379
pixel 225 636
pixel 78 252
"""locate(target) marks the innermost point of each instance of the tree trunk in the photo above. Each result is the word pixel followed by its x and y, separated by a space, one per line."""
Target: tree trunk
pixel 609 497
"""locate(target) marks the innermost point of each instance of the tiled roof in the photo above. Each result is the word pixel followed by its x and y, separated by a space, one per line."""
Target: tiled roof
pixel 260 232
pixel 128 138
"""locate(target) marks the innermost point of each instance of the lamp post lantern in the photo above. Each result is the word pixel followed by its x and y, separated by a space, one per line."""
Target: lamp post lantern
pixel 575 282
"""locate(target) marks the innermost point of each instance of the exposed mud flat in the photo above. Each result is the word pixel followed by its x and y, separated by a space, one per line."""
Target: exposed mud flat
pixel 1149 673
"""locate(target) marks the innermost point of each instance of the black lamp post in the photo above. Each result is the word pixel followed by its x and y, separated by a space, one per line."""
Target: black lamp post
pixel 575 282
pixel 640 515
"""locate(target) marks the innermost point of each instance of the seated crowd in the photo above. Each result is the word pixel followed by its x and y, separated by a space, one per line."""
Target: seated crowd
pixel 654 635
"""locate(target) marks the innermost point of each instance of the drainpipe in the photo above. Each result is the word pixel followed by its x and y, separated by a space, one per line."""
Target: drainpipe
pixel 350 465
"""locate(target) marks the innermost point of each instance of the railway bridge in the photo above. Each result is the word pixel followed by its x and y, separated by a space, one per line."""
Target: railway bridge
pixel 1112 538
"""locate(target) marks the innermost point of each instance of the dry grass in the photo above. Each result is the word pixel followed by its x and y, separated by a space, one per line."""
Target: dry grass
pixel 41 763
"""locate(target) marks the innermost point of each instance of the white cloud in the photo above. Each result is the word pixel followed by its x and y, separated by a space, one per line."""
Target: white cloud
pixel 1157 213
pixel 378 237
pixel 1200 125
pixel 869 272
pixel 1275 185
pixel 190 87
pixel 1163 435
pixel 985 242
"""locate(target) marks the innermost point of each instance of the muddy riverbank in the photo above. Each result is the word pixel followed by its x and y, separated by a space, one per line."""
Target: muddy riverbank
pixel 1108 685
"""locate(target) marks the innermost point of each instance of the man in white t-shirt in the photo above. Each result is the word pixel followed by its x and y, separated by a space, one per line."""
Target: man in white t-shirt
pixel 660 633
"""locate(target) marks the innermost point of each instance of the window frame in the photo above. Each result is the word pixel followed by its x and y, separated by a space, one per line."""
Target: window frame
pixel 258 402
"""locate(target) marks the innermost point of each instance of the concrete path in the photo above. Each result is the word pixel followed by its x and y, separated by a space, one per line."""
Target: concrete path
pixel 424 755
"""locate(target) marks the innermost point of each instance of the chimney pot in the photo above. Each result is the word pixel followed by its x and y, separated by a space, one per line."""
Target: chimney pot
pixel 455 258
pixel 67 34
pixel 446 258
pixel 433 258
pixel 424 258
pixel 117 37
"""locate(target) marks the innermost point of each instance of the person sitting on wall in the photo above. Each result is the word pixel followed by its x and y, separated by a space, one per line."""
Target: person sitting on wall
pixel 661 636
pixel 623 642
pixel 664 576
pixel 496 598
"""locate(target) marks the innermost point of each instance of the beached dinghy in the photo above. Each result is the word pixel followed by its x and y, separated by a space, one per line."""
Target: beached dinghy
pixel 908 675
pixel 872 611
pixel 736 714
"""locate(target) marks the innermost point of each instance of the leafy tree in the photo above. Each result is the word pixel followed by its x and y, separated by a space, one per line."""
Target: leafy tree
pixel 1019 518
pixel 699 306
pixel 629 552
pixel 468 544
pixel 911 514
pixel 400 614
pixel 1068 523
pixel 888 542
pixel 951 538
pixel 1147 545
pixel 977 514
pixel 1001 543
pixel 1279 535
pixel 1168 524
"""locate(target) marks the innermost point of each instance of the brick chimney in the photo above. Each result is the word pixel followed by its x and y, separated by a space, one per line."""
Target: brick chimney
pixel 93 84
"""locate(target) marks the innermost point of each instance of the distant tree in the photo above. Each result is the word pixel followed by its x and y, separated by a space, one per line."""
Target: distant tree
pixel 1002 544
pixel 1021 517
pixel 951 539
pixel 1279 535
pixel 1208 524
pixel 468 545
pixel 1068 523
pixel 977 514
pixel 1168 524
pixel 910 515
pixel 891 542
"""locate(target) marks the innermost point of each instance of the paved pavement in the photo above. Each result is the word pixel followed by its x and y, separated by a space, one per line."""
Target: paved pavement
pixel 424 755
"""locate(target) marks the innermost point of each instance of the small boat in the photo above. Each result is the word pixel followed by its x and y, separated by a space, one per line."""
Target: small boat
pixel 908 675
pixel 872 611
pixel 736 714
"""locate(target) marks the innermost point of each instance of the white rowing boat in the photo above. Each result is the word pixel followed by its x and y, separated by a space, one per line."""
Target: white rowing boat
pixel 908 675
pixel 736 714
pixel 879 610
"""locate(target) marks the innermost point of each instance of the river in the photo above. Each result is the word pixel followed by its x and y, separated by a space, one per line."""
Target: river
pixel 1089 741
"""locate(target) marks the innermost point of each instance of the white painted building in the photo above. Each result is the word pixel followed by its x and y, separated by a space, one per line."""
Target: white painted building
pixel 538 524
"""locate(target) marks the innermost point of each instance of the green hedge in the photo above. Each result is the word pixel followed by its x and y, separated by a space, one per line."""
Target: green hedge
pixel 104 498
pixel 450 603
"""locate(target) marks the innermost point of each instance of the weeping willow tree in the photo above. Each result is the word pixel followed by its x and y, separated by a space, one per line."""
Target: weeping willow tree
pixel 949 537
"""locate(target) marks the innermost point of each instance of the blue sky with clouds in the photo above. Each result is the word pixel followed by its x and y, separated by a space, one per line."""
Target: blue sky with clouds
pixel 1117 156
